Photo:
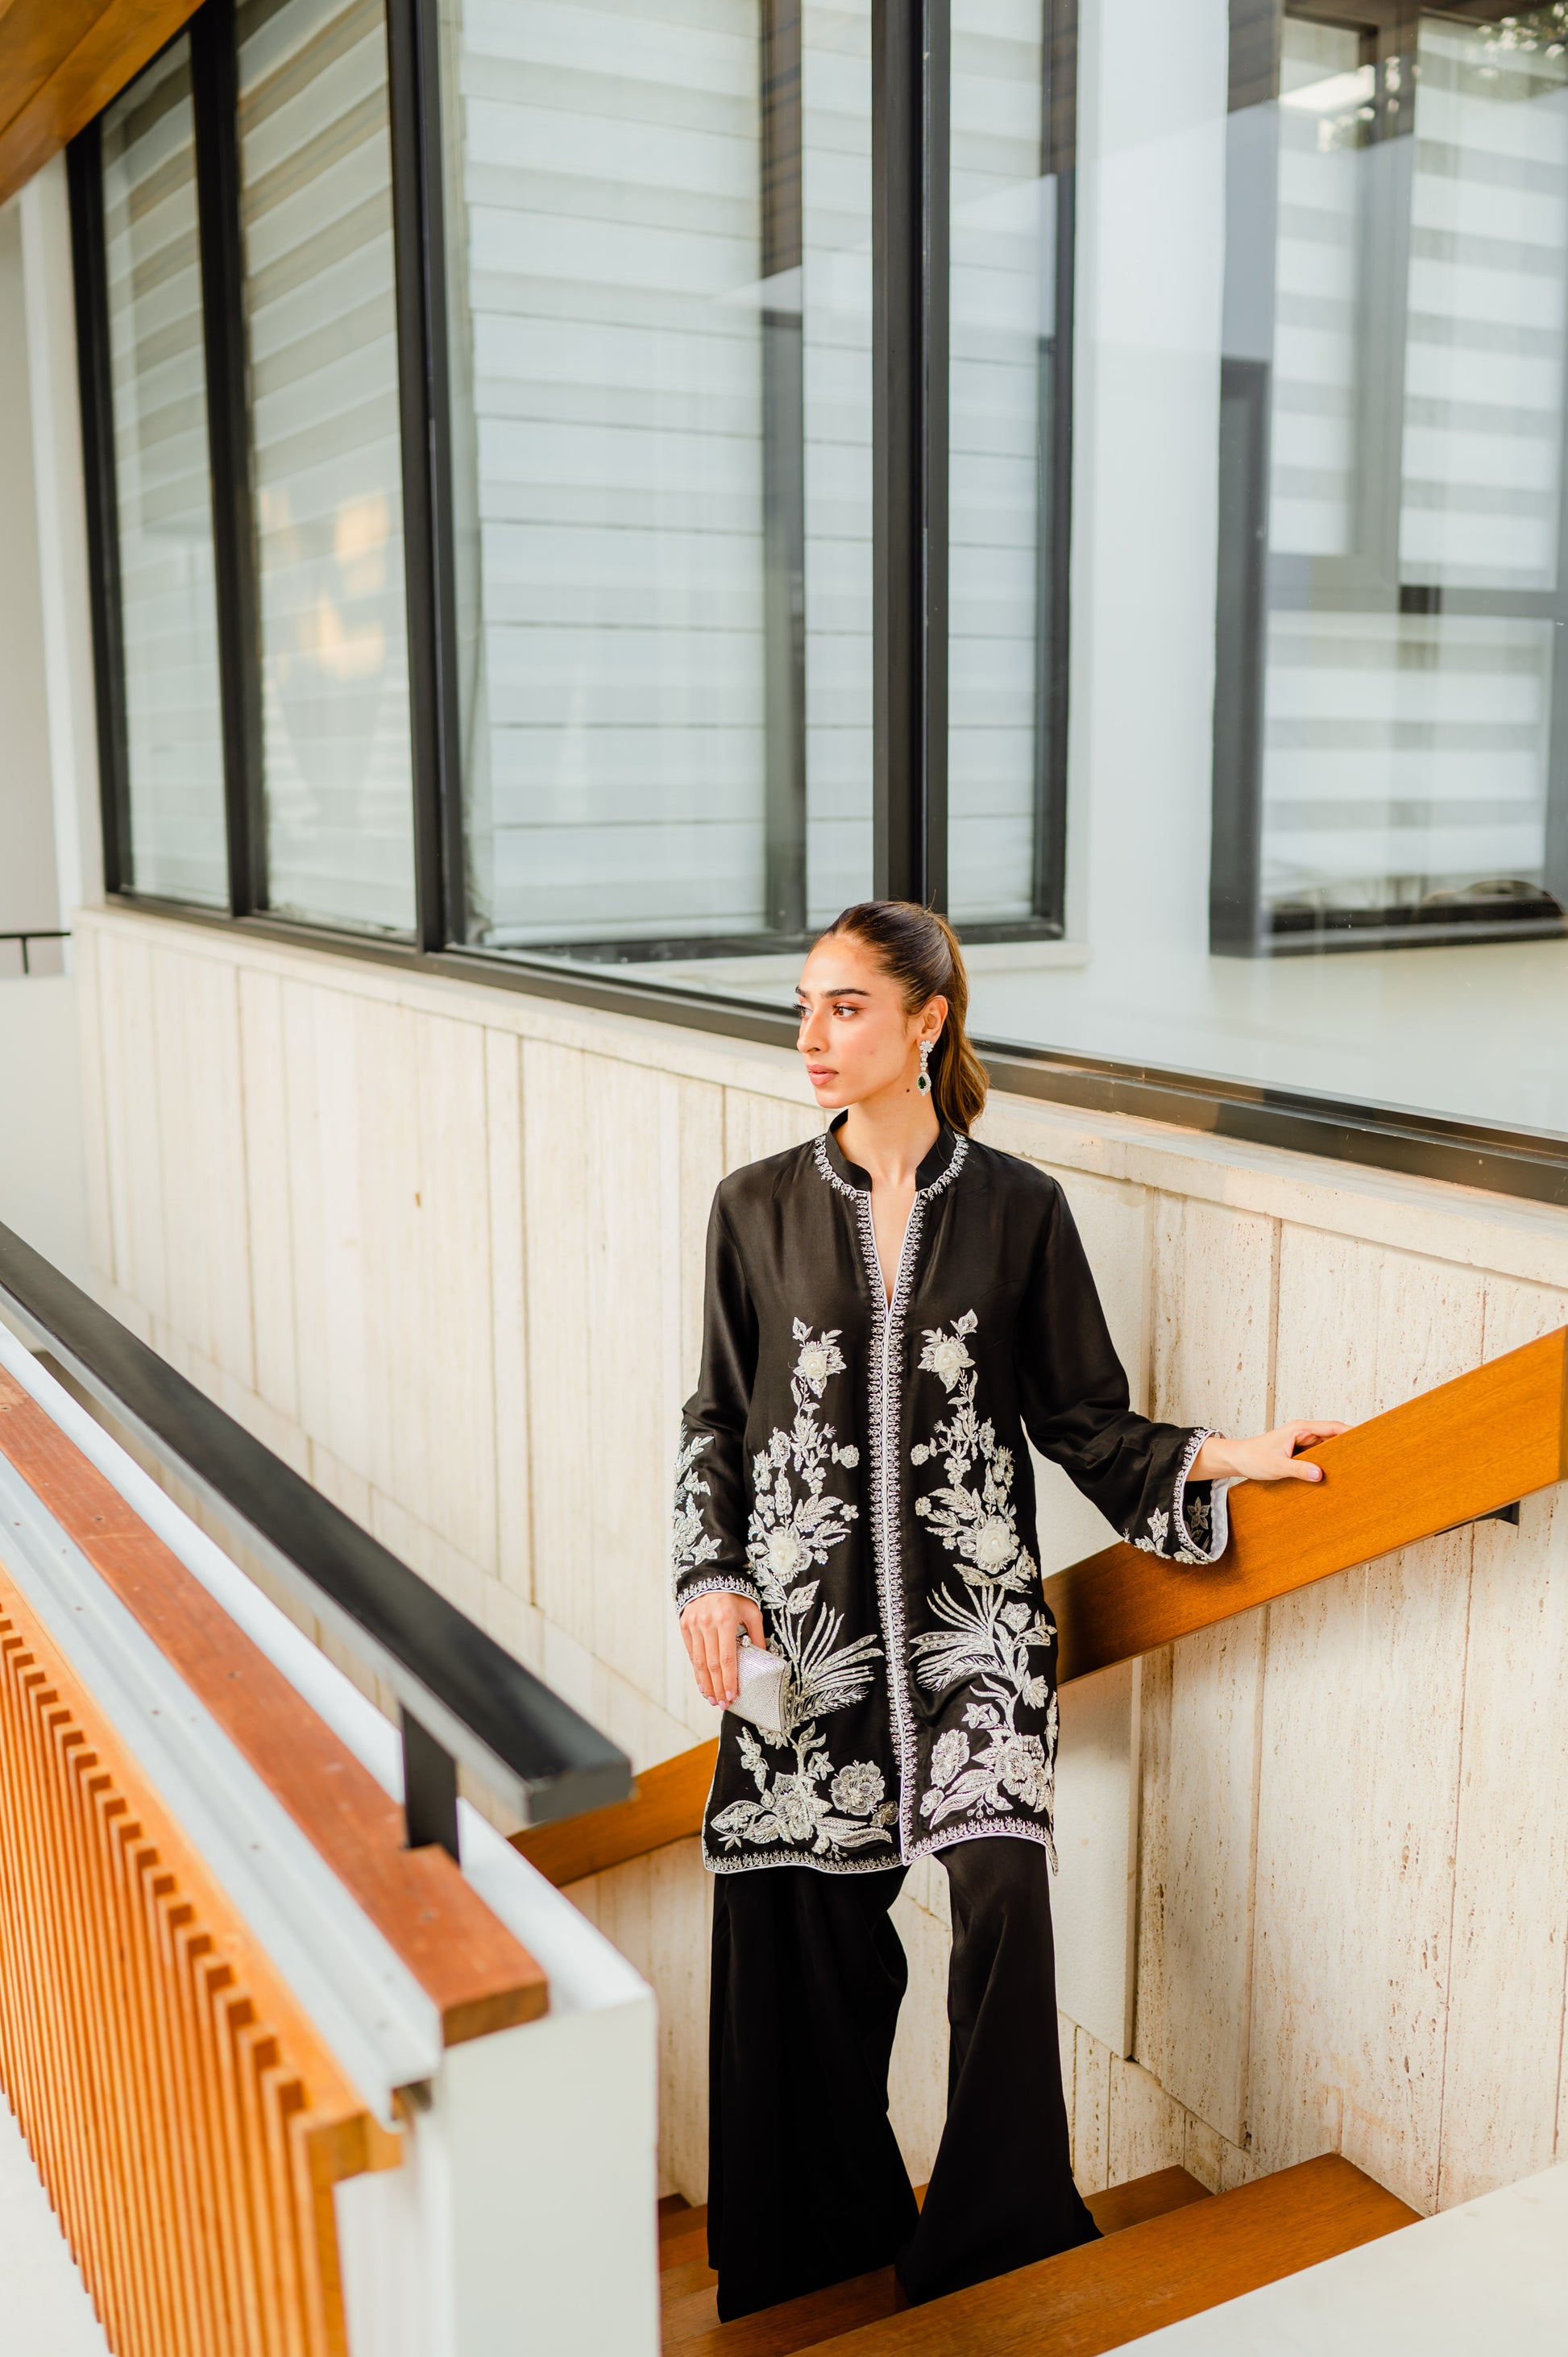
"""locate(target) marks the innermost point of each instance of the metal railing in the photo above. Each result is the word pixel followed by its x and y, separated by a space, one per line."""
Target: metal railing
pixel 462 1697
pixel 25 942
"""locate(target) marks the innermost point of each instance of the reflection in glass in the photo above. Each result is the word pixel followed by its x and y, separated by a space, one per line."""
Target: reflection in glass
pixel 1405 374
pixel 658 271
pixel 317 214
pixel 1003 328
pixel 164 489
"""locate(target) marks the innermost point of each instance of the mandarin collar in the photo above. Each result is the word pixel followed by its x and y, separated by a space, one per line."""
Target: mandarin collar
pixel 929 1171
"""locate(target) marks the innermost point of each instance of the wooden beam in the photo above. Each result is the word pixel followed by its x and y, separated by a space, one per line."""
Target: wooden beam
pixel 62 61
pixel 1488 1437
pixel 667 1806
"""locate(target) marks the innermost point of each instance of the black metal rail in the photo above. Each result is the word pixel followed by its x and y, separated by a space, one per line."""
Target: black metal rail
pixel 35 934
pixel 463 1697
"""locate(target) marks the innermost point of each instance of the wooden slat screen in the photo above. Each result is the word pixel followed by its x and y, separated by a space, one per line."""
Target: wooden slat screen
pixel 186 2120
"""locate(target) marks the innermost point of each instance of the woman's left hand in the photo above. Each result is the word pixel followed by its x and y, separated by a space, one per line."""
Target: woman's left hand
pixel 1267 1457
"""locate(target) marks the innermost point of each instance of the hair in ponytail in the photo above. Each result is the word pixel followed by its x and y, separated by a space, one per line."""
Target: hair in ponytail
pixel 919 950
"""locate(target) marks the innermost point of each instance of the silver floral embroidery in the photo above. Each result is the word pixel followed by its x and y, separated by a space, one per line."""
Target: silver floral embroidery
pixel 886 1377
pixel 1201 1525
pixel 985 1636
pixel 825 1168
pixel 977 1524
pixel 795 1521
pixel 691 1545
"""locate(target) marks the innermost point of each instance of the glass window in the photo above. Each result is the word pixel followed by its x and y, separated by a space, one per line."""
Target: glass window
pixel 1320 625
pixel 162 488
pixel 316 202
pixel 660 293
pixel 1319 645
pixel 1008 350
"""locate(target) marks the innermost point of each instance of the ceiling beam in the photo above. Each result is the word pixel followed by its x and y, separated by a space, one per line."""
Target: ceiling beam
pixel 62 61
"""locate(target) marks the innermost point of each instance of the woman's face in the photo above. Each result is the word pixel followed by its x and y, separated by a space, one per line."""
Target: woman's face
pixel 855 1038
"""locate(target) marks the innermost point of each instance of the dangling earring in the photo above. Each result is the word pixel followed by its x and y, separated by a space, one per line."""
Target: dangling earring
pixel 924 1082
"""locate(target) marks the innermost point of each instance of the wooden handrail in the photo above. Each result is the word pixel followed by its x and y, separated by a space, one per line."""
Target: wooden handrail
pixel 667 1806
pixel 1488 1437
pixel 479 1978
pixel 1445 1457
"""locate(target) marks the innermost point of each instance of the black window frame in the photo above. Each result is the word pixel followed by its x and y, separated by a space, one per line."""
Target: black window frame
pixel 911 48
pixel 911 42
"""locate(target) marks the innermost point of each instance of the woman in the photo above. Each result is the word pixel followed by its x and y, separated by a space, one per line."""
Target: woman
pixel 889 1311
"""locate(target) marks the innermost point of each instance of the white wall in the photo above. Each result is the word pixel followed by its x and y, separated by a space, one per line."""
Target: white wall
pixel 41 1188
pixel 47 760
pixel 57 487
pixel 440 1246
pixel 42 1194
pixel 29 894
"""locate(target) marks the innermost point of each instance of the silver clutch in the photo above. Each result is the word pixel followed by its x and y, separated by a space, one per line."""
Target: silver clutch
pixel 761 1694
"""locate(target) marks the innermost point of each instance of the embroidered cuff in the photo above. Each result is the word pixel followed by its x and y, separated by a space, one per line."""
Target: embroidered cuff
pixel 688 1591
pixel 1198 1528
pixel 1202 1524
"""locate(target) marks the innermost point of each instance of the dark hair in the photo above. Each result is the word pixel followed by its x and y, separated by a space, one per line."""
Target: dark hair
pixel 919 950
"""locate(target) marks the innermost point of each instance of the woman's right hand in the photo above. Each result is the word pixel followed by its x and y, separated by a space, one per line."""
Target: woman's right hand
pixel 710 1630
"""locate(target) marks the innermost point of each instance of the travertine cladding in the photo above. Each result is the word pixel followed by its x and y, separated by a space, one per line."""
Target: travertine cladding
pixel 440 1245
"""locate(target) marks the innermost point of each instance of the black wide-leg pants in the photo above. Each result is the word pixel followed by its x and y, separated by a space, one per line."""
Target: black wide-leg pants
pixel 806 2184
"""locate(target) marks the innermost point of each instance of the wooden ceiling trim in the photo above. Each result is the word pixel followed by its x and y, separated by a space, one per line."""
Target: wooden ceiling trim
pixel 62 61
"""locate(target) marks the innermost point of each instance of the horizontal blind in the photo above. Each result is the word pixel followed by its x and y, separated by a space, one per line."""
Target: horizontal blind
pixel 315 176
pixel 611 223
pixel 1407 754
pixel 609 322
pixel 1481 495
pixel 1325 94
pixel 163 487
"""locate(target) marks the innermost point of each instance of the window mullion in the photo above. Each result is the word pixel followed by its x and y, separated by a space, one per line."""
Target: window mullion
pixel 1054 529
pixel 419 236
pixel 910 83
pixel 214 89
pixel 84 162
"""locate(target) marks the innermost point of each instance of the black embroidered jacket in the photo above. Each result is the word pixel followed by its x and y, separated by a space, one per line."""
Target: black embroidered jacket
pixel 860 1472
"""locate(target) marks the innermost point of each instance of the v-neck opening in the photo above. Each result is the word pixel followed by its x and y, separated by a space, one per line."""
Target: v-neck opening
pixel 889 1290
pixel 934 1165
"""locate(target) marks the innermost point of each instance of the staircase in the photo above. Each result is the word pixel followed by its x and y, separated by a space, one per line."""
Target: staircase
pixel 1170 2250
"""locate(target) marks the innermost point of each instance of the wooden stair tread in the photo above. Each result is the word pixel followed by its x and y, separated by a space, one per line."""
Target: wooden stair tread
pixel 692 2326
pixel 690 2315
pixel 1151 2275
pixel 681 2250
pixel 679 2283
pixel 1155 2196
pixel 677 2216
